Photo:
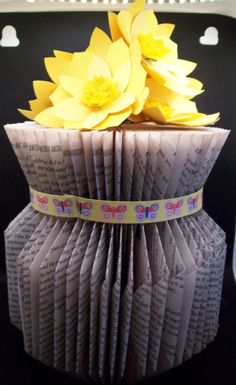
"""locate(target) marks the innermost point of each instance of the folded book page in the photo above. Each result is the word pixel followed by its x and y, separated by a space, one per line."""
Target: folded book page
pixel 82 345
pixel 16 236
pixel 125 306
pixel 59 328
pixel 72 294
pixel 46 294
pixel 52 229
pixel 198 259
pixel 96 280
pixel 189 288
pixel 112 303
pixel 141 311
pixel 115 303
pixel 36 223
pixel 160 282
pixel 174 301
pixel 104 311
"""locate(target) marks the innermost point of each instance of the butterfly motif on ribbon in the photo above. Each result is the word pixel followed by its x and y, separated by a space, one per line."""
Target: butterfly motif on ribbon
pixel 146 212
pixel 192 203
pixel 42 202
pixel 63 206
pixel 174 208
pixel 117 212
pixel 84 208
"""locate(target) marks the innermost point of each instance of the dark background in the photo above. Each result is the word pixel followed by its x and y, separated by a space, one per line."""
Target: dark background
pixel 39 34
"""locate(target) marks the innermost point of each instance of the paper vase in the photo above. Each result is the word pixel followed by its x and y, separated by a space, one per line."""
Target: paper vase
pixel 112 302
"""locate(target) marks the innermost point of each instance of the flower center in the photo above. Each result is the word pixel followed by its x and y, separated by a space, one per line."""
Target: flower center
pixel 165 109
pixel 99 91
pixel 153 47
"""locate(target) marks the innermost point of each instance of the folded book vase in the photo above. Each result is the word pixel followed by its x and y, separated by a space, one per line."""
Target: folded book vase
pixel 107 302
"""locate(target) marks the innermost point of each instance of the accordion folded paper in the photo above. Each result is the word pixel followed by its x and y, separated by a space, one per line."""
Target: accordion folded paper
pixel 92 299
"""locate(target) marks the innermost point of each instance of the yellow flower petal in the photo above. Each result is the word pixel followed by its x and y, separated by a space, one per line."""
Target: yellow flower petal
pixel 67 124
pixel 137 80
pixel 48 119
pixel 43 89
pixel 139 103
pixel 169 71
pixel 59 95
pixel 186 66
pixel 94 118
pixel 207 120
pixel 164 30
pixel 122 75
pixel 56 67
pixel 124 21
pixel 160 92
pixel 165 95
pixel 196 120
pixel 194 83
pixel 114 120
pixel 184 90
pixel 72 85
pixel 79 64
pixel 145 22
pixel 99 43
pixel 72 109
pixel 121 103
pixel 67 56
pixel 136 7
pixel 114 27
pixel 135 51
pixel 183 104
pixel 28 114
pixel 173 78
pixel 184 117
pixel 117 55
pixel 37 105
pixel 98 67
pixel 155 114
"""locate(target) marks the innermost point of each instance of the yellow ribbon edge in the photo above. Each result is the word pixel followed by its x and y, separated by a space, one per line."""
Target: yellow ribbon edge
pixel 122 212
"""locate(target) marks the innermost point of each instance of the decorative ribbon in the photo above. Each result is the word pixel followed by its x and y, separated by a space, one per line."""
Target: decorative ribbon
pixel 125 212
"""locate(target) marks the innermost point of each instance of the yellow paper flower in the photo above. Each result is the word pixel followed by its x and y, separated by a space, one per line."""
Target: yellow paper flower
pixel 159 52
pixel 154 38
pixel 171 88
pixel 167 107
pixel 137 76
pixel 173 75
pixel 95 89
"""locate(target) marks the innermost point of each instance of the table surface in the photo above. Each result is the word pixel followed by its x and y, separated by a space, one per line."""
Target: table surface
pixel 215 365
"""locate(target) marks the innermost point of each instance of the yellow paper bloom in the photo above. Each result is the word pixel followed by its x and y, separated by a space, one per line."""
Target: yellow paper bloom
pixel 159 52
pixel 136 76
pixel 154 38
pixel 171 88
pixel 167 107
pixel 173 75
pixel 106 84
pixel 95 89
